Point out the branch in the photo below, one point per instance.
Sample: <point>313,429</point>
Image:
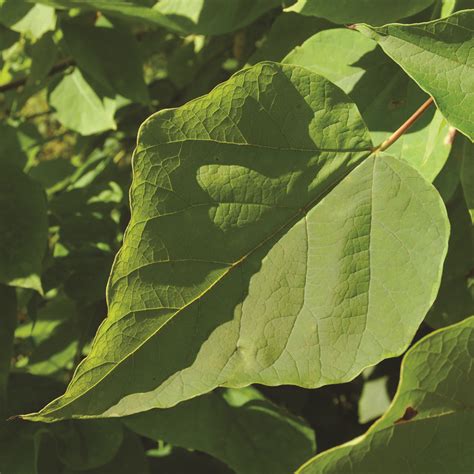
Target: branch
<point>397,134</point>
<point>61,66</point>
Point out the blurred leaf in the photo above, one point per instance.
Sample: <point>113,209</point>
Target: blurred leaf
<point>454,301</point>
<point>384,94</point>
<point>23,229</point>
<point>429,425</point>
<point>467,176</point>
<point>377,12</point>
<point>88,444</point>
<point>8,319</point>
<point>239,427</point>
<point>209,17</point>
<point>288,31</point>
<point>79,108</point>
<point>109,55</point>
<point>7,37</point>
<point>374,399</point>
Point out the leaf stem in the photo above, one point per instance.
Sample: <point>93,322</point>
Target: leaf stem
<point>398,133</point>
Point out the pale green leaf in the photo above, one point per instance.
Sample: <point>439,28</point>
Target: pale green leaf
<point>259,251</point>
<point>438,56</point>
<point>370,11</point>
<point>79,108</point>
<point>374,399</point>
<point>429,426</point>
<point>384,94</point>
<point>239,427</point>
<point>23,228</point>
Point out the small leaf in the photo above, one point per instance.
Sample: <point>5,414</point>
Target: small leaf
<point>239,427</point>
<point>370,11</point>
<point>428,427</point>
<point>438,56</point>
<point>265,245</point>
<point>79,107</point>
<point>23,229</point>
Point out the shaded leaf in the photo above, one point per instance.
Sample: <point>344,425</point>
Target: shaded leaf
<point>239,427</point>
<point>370,11</point>
<point>109,55</point>
<point>438,56</point>
<point>210,17</point>
<point>428,427</point>
<point>23,228</point>
<point>454,301</point>
<point>240,264</point>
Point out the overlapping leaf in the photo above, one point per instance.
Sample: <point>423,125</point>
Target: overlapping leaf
<point>438,56</point>
<point>429,426</point>
<point>239,427</point>
<point>384,94</point>
<point>23,228</point>
<point>266,245</point>
<point>210,17</point>
<point>371,11</point>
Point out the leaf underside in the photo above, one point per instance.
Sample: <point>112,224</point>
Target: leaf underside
<point>266,245</point>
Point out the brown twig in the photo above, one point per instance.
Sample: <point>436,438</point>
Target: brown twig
<point>398,133</point>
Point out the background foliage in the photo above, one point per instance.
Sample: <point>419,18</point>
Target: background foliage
<point>78,78</point>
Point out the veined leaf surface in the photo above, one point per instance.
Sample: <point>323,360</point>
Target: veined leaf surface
<point>438,56</point>
<point>429,426</point>
<point>266,245</point>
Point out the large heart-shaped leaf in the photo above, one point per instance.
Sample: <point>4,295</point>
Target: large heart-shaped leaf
<point>371,11</point>
<point>429,426</point>
<point>239,427</point>
<point>384,94</point>
<point>438,56</point>
<point>266,245</point>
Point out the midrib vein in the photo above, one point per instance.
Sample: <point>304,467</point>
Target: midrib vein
<point>292,221</point>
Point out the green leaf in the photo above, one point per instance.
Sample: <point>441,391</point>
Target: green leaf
<point>374,399</point>
<point>467,175</point>
<point>437,55</point>
<point>8,317</point>
<point>384,94</point>
<point>370,11</point>
<point>23,228</point>
<point>428,427</point>
<point>454,301</point>
<point>33,21</point>
<point>258,250</point>
<point>288,31</point>
<point>208,17</point>
<point>111,56</point>
<point>79,107</point>
<point>239,427</point>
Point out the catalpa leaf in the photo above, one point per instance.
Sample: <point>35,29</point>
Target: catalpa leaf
<point>438,56</point>
<point>23,228</point>
<point>266,244</point>
<point>429,426</point>
<point>371,11</point>
<point>239,427</point>
<point>384,95</point>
